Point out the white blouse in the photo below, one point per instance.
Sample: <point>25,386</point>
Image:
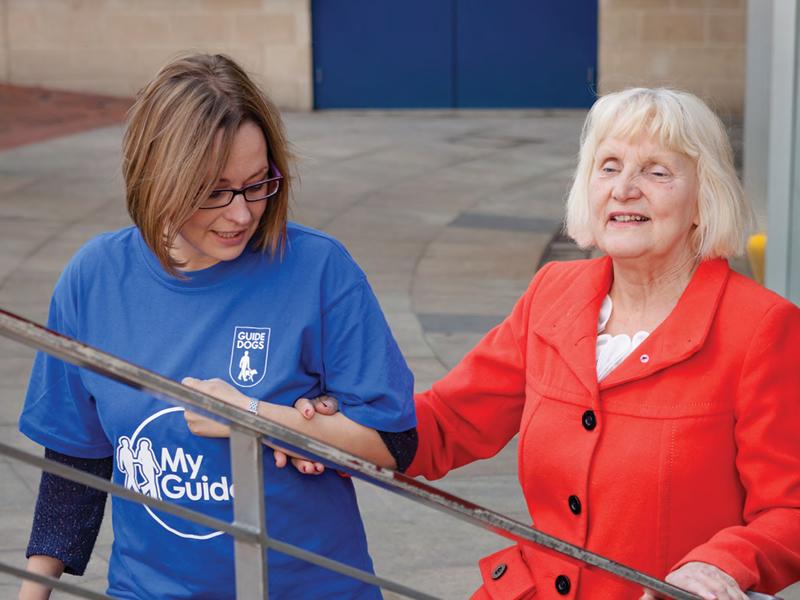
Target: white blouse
<point>613,349</point>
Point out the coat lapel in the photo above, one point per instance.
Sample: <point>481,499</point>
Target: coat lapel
<point>683,332</point>
<point>569,323</point>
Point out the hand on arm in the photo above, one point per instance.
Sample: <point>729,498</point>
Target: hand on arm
<point>205,427</point>
<point>334,429</point>
<point>323,405</point>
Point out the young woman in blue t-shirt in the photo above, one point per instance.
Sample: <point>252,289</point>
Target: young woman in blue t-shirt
<point>212,283</point>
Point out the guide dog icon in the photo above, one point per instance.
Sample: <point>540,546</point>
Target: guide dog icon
<point>249,352</point>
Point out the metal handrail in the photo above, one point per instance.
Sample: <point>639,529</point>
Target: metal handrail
<point>246,429</point>
<point>235,530</point>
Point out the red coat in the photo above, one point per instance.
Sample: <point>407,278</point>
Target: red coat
<point>689,450</point>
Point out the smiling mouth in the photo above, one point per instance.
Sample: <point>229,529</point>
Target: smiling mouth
<point>628,219</point>
<point>229,235</point>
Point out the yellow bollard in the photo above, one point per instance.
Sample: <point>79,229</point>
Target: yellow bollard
<point>756,247</point>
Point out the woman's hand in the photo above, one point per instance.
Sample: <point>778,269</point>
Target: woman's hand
<point>205,427</point>
<point>705,580</point>
<point>324,405</point>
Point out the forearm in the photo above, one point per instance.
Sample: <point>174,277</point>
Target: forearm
<point>67,516</point>
<point>336,430</point>
<point>41,565</point>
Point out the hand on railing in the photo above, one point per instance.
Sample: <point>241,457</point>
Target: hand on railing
<point>703,579</point>
<point>205,427</point>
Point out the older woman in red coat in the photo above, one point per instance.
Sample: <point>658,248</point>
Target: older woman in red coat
<point>655,392</point>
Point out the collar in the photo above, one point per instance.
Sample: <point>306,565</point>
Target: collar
<point>683,333</point>
<point>569,323</point>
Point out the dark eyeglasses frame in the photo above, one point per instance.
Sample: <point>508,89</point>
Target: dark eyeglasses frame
<point>236,191</point>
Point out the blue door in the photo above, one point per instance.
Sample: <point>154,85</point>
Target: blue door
<point>382,53</point>
<point>525,53</point>
<point>454,53</point>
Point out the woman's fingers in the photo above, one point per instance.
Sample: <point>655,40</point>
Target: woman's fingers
<point>305,407</point>
<point>218,388</point>
<point>307,467</point>
<point>326,405</point>
<point>707,581</point>
<point>303,465</point>
<point>200,425</point>
<point>214,387</point>
<point>280,458</point>
<point>205,427</point>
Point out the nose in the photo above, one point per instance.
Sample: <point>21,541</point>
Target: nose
<point>626,187</point>
<point>238,211</point>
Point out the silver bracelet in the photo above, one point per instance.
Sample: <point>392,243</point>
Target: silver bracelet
<point>253,406</point>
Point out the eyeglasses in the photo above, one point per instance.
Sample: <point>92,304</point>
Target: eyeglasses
<point>260,190</point>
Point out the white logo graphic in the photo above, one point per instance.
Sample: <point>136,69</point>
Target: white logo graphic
<point>171,474</point>
<point>140,468</point>
<point>249,353</point>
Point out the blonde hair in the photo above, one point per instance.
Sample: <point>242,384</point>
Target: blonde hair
<point>178,139</point>
<point>681,122</point>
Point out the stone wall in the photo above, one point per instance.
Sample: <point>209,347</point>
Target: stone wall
<point>698,45</point>
<point>115,46</point>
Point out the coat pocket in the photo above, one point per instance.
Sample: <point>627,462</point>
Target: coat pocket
<point>506,576</point>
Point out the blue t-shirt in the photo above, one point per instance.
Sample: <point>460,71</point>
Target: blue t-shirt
<point>277,329</point>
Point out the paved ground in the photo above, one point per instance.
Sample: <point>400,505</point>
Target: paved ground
<point>449,214</point>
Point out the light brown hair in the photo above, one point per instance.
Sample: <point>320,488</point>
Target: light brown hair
<point>178,139</point>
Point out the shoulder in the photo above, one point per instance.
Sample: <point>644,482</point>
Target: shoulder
<point>561,290</point>
<point>105,245</point>
<point>571,279</point>
<point>300,237</point>
<point>745,297</point>
<point>99,253</point>
<point>311,246</point>
<point>560,272</point>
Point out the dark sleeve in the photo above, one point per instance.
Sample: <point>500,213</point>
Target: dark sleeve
<point>68,514</point>
<point>402,445</point>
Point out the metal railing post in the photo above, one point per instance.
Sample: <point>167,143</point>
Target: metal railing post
<point>247,460</point>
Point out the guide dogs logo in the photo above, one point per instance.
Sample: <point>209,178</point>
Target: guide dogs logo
<point>171,473</point>
<point>249,355</point>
